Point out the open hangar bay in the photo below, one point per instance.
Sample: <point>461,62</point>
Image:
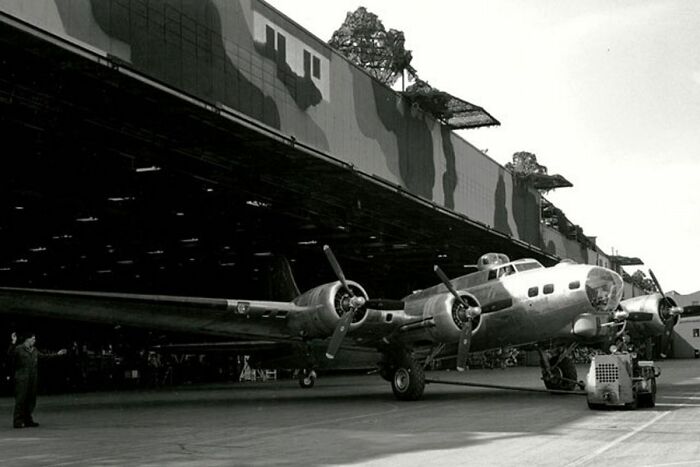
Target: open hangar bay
<point>114,182</point>
<point>110,183</point>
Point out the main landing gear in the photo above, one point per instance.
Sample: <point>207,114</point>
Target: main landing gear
<point>559,370</point>
<point>406,376</point>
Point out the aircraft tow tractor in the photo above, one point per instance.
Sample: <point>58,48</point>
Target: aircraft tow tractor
<point>621,380</point>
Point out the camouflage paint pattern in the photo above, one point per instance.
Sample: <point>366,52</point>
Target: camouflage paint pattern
<point>556,243</point>
<point>246,56</point>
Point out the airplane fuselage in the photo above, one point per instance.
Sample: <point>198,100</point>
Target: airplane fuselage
<point>531,305</point>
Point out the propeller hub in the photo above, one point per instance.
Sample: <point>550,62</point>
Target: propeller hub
<point>621,315</point>
<point>357,301</point>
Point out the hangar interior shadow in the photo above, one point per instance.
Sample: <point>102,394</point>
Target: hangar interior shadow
<point>110,183</point>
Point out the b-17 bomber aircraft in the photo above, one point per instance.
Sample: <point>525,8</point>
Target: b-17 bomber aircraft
<point>503,303</point>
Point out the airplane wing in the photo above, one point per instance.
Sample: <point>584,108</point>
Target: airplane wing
<point>316,313</point>
<point>222,347</point>
<point>207,316</point>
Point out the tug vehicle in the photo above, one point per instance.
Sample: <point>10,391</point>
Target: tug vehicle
<point>621,380</point>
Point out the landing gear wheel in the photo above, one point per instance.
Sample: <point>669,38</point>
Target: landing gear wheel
<point>408,382</point>
<point>648,399</point>
<point>563,377</point>
<point>307,379</point>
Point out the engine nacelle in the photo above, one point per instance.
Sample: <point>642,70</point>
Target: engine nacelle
<point>329,303</point>
<point>655,305</point>
<point>447,314</point>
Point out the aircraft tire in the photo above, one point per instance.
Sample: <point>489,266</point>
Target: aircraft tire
<point>648,399</point>
<point>564,375</point>
<point>307,379</point>
<point>408,382</point>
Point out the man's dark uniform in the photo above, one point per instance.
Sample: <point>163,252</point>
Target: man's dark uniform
<point>25,361</point>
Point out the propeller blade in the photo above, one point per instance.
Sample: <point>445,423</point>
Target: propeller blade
<point>339,334</point>
<point>691,310</point>
<point>384,304</point>
<point>465,341</point>
<point>445,280</point>
<point>666,337</point>
<point>658,287</point>
<point>336,268</point>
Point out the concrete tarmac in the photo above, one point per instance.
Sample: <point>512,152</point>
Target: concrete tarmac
<point>355,420</point>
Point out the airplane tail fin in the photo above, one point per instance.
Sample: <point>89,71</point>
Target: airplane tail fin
<point>281,284</point>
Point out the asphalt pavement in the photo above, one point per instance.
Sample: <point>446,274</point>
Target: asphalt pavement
<point>355,420</point>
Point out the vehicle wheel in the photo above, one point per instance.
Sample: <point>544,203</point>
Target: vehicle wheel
<point>634,404</point>
<point>307,379</point>
<point>563,377</point>
<point>648,399</point>
<point>408,382</point>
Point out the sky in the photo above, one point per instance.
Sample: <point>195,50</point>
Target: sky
<point>604,92</point>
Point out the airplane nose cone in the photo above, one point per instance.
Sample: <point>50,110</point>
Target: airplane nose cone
<point>603,288</point>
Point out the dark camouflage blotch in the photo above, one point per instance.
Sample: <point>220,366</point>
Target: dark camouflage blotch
<point>526,212</point>
<point>181,43</point>
<point>415,143</point>
<point>449,178</point>
<point>301,88</point>
<point>500,213</point>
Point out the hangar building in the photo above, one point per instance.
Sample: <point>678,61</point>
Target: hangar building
<point>172,147</point>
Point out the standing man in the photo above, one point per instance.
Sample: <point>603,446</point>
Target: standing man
<point>25,358</point>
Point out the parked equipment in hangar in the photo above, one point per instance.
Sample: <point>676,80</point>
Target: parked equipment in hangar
<point>620,380</point>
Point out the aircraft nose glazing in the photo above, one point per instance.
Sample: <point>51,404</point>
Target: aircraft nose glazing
<point>603,288</point>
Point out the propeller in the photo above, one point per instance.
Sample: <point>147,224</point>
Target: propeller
<point>465,335</point>
<point>673,311</point>
<point>691,310</point>
<point>353,303</point>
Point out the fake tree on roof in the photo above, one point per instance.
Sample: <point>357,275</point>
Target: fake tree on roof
<point>525,163</point>
<point>363,39</point>
<point>641,280</point>
<point>526,167</point>
<point>430,99</point>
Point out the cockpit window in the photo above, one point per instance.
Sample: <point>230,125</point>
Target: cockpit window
<point>528,265</point>
<point>506,271</point>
